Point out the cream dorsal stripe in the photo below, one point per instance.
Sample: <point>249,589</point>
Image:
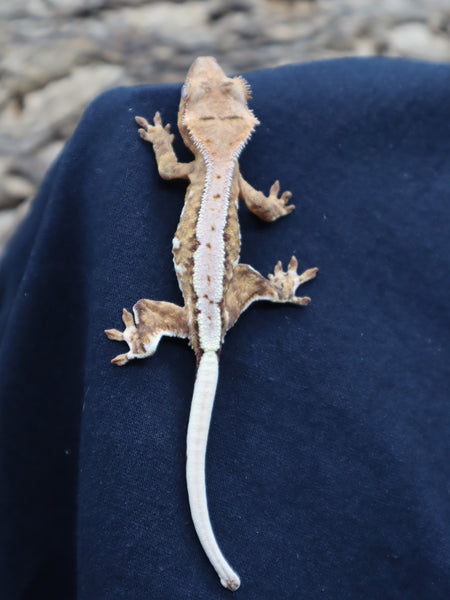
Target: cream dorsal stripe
<point>209,258</point>
<point>215,122</point>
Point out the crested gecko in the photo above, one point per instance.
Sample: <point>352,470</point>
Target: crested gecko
<point>215,123</point>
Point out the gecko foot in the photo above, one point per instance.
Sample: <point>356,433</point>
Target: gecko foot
<point>129,335</point>
<point>279,205</point>
<point>156,132</point>
<point>287,282</point>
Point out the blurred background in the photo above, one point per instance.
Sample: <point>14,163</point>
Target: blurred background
<point>57,55</point>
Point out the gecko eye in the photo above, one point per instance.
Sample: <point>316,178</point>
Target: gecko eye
<point>197,93</point>
<point>184,91</point>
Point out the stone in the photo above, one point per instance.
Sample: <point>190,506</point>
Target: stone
<point>14,189</point>
<point>46,110</point>
<point>415,40</point>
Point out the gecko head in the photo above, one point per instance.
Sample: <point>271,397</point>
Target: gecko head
<point>214,115</point>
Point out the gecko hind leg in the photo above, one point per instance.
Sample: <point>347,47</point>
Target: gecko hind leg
<point>152,320</point>
<point>248,286</point>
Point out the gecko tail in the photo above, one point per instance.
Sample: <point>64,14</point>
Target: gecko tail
<point>197,439</point>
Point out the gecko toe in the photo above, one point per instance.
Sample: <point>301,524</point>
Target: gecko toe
<point>114,334</point>
<point>120,360</point>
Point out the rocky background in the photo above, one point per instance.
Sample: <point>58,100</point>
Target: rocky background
<point>57,55</point>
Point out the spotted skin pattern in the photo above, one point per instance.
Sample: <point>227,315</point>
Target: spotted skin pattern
<point>215,124</point>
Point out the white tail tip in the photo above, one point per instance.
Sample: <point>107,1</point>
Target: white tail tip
<point>231,584</point>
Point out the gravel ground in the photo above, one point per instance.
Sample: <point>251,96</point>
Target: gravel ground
<point>57,55</point>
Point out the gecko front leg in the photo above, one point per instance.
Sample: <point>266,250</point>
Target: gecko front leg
<point>267,208</point>
<point>152,320</point>
<point>248,286</point>
<point>162,139</point>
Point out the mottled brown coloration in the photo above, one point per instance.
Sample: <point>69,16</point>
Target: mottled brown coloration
<point>153,320</point>
<point>215,123</point>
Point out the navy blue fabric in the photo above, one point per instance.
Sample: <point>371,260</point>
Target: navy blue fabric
<point>328,459</point>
